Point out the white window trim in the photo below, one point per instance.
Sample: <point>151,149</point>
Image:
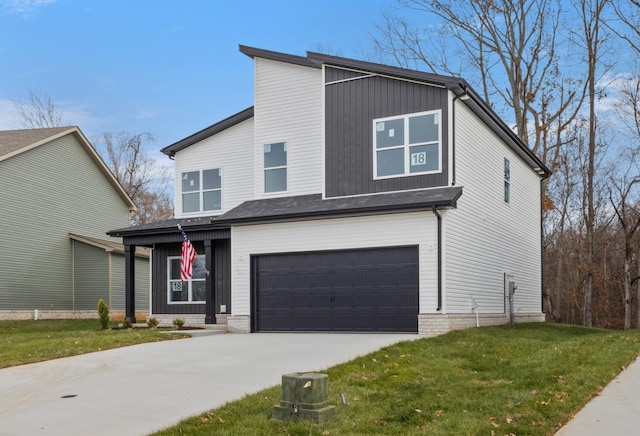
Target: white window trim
<point>265,169</point>
<point>188,282</point>
<point>201,192</point>
<point>406,146</point>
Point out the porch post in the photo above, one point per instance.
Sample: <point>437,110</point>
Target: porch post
<point>210,284</point>
<point>130,282</point>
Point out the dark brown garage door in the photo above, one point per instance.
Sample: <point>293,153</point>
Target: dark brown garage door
<point>368,290</point>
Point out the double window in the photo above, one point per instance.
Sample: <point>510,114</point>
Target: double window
<point>190,291</point>
<point>202,191</point>
<point>407,145</point>
<point>275,167</point>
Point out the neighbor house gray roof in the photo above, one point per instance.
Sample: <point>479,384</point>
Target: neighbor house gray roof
<point>108,246</point>
<point>13,142</point>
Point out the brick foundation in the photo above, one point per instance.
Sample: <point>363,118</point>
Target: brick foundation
<point>434,325</point>
<point>239,324</point>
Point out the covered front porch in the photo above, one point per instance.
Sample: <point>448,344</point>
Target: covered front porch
<point>207,296</point>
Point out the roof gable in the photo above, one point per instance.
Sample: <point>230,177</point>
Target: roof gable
<point>16,142</point>
<point>228,122</point>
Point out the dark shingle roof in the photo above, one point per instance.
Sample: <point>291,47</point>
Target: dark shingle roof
<point>314,207</point>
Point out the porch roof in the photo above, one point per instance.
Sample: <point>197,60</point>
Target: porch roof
<point>313,206</point>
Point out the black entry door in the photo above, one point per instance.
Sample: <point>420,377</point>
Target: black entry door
<point>369,290</point>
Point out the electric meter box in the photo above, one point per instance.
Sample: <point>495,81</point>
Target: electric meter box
<point>305,396</point>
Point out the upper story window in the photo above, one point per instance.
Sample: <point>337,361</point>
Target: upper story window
<point>507,181</point>
<point>407,145</point>
<point>190,291</point>
<point>275,167</point>
<point>202,191</point>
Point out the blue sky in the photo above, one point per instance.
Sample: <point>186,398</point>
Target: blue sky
<point>166,67</point>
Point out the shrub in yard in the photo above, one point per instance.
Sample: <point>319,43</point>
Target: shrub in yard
<point>126,323</point>
<point>103,313</point>
<point>152,323</point>
<point>178,323</point>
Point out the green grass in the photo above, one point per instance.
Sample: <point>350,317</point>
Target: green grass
<point>34,341</point>
<point>527,379</point>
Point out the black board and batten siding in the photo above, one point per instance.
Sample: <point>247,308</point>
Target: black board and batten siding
<point>221,276</point>
<point>350,108</point>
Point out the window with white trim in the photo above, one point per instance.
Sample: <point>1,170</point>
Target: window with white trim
<point>507,181</point>
<point>202,191</point>
<point>275,167</point>
<point>190,291</point>
<point>407,145</point>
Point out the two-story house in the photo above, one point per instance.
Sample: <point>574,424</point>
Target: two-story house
<point>351,196</point>
<point>57,200</point>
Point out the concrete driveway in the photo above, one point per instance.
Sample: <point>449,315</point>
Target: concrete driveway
<point>139,389</point>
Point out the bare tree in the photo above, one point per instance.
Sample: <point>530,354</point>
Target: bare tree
<point>628,12</point>
<point>511,44</point>
<point>136,172</point>
<point>38,111</point>
<point>590,13</point>
<point>146,183</point>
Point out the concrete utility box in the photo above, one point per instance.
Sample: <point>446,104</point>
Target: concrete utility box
<point>304,397</point>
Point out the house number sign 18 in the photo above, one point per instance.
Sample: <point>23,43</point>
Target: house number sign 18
<point>418,158</point>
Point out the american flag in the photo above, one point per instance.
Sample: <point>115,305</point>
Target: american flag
<point>186,261</point>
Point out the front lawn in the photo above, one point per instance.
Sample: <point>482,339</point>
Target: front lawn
<point>34,341</point>
<point>526,379</point>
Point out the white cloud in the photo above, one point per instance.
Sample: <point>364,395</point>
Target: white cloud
<point>8,120</point>
<point>24,8</point>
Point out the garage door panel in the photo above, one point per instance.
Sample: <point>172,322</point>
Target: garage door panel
<point>353,290</point>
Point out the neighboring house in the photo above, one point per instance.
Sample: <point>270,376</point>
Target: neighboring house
<point>351,197</point>
<point>58,198</point>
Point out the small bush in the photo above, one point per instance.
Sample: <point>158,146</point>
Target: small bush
<point>178,323</point>
<point>126,323</point>
<point>152,323</point>
<point>103,313</point>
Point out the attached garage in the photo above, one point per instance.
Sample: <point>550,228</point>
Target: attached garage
<point>367,290</point>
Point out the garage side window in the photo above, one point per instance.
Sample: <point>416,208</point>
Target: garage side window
<point>190,291</point>
<point>275,167</point>
<point>407,145</point>
<point>507,181</point>
<point>202,191</point>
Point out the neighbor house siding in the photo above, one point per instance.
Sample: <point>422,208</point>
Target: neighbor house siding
<point>485,237</point>
<point>230,150</point>
<point>117,295</point>
<point>288,108</point>
<point>48,192</point>
<point>351,106</point>
<point>418,228</point>
<point>91,276</point>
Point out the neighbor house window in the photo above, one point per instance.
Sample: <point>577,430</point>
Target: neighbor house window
<point>407,145</point>
<point>202,191</point>
<point>190,291</point>
<point>275,167</point>
<point>507,181</point>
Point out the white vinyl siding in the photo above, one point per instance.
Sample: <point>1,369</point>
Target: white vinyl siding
<point>232,152</point>
<point>486,237</point>
<point>418,228</point>
<point>288,108</point>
